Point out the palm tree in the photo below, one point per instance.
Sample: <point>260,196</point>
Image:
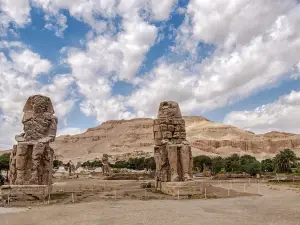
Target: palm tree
<point>285,160</point>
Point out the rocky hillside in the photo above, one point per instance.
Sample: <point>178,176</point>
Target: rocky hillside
<point>127,138</point>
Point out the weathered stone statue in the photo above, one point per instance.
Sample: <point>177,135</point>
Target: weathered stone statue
<point>71,168</point>
<point>31,159</point>
<point>106,168</point>
<point>172,152</point>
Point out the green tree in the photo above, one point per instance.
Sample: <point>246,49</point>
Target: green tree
<point>232,163</point>
<point>150,163</point>
<point>250,165</point>
<point>4,163</point>
<point>285,160</point>
<point>252,168</point>
<point>57,163</point>
<point>96,163</point>
<point>267,165</point>
<point>87,164</point>
<point>136,163</point>
<point>218,163</point>
<point>201,161</point>
<point>120,164</point>
<point>246,159</point>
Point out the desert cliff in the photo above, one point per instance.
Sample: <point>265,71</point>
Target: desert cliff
<point>126,138</point>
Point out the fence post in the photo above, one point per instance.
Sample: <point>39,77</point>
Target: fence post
<point>178,194</point>
<point>228,192</point>
<point>72,197</point>
<point>49,198</point>
<point>205,193</point>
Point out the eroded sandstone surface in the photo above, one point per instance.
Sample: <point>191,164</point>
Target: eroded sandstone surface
<point>134,138</point>
<point>31,159</point>
<point>172,152</point>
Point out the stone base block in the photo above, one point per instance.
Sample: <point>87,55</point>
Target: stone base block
<point>25,192</point>
<point>181,188</point>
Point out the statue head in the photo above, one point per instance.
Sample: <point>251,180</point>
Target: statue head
<point>169,109</point>
<point>38,104</point>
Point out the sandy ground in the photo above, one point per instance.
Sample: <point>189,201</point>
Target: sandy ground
<point>278,205</point>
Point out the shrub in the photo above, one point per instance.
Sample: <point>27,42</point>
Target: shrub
<point>267,165</point>
<point>1,180</point>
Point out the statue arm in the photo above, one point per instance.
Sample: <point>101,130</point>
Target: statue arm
<point>52,132</point>
<point>53,127</point>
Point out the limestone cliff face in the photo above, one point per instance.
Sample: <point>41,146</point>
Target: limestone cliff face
<point>251,146</point>
<point>127,138</point>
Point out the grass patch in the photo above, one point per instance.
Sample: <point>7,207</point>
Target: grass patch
<point>58,196</point>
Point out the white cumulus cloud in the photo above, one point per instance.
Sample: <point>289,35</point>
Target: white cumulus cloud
<point>281,115</point>
<point>13,12</point>
<point>256,44</point>
<point>19,80</point>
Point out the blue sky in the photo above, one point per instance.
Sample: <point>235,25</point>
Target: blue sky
<point>234,62</point>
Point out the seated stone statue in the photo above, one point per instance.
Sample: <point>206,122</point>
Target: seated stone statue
<point>32,157</point>
<point>106,169</point>
<point>172,152</point>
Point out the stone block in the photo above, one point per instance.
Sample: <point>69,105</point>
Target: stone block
<point>177,141</point>
<point>171,128</point>
<point>167,135</point>
<point>176,135</point>
<point>157,141</point>
<point>156,128</point>
<point>157,135</point>
<point>177,128</point>
<point>181,188</point>
<point>163,127</point>
<point>162,121</point>
<point>25,192</point>
<point>170,121</point>
<point>183,135</point>
<point>156,121</point>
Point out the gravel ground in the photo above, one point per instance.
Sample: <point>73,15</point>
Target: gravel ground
<point>11,210</point>
<point>279,205</point>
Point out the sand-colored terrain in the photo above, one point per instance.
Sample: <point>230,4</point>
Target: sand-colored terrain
<point>122,139</point>
<point>278,205</point>
<point>130,138</point>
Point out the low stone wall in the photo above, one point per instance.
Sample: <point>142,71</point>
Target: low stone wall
<point>25,192</point>
<point>129,176</point>
<point>182,188</point>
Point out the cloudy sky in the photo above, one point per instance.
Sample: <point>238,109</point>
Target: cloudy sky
<point>232,61</point>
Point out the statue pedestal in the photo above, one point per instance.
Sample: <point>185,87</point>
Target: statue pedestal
<point>181,188</point>
<point>25,192</point>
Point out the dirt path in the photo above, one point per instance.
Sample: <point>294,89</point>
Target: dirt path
<point>246,211</point>
<point>278,205</point>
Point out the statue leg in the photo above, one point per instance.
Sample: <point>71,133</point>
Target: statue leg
<point>21,164</point>
<point>173,162</point>
<point>185,156</point>
<point>48,164</point>
<point>37,167</point>
<point>157,158</point>
<point>12,167</point>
